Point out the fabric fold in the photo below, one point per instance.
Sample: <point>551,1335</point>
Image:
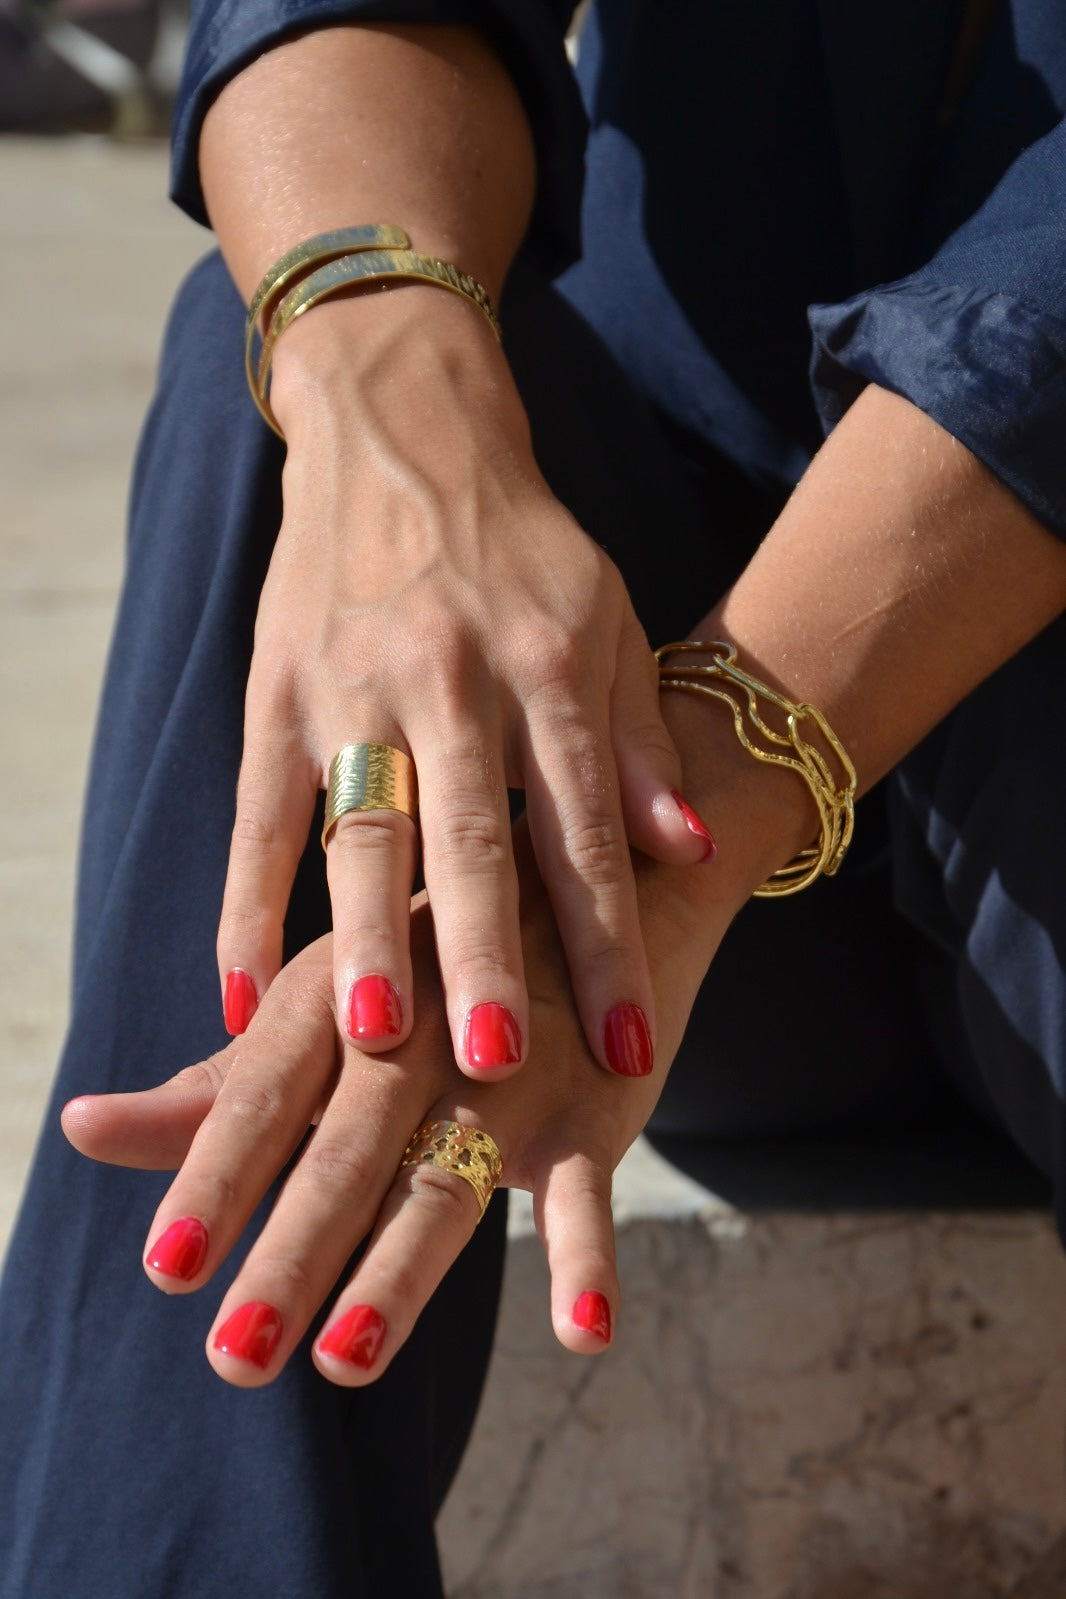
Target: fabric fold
<point>989,368</point>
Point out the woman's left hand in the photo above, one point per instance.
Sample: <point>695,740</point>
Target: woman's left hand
<point>234,1121</point>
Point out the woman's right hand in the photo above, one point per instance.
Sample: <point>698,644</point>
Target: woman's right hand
<point>428,592</point>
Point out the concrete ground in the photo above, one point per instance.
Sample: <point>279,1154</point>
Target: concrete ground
<point>92,252</point>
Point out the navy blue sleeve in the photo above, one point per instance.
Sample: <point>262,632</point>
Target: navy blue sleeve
<point>977,337</point>
<point>528,35</point>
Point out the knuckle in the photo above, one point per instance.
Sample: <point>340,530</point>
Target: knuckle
<point>471,837</point>
<point>449,1201</point>
<point>333,1167</point>
<point>446,657</point>
<point>259,1106</point>
<point>286,1272</point>
<point>205,1074</point>
<point>651,737</point>
<point>476,961</point>
<point>594,849</point>
<point>247,925</point>
<point>370,833</point>
<point>607,953</point>
<point>247,931</point>
<point>273,690</point>
<point>255,827</point>
<point>555,661</point>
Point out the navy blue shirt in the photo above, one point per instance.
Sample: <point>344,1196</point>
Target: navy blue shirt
<point>762,205</point>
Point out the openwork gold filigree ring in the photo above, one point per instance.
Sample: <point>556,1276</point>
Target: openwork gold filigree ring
<point>466,1152</point>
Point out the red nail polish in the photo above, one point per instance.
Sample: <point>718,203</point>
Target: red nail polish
<point>592,1314</point>
<point>374,1009</point>
<point>251,1333</point>
<point>697,825</point>
<point>627,1041</point>
<point>492,1037</point>
<point>241,1001</point>
<point>181,1250</point>
<point>357,1337</point>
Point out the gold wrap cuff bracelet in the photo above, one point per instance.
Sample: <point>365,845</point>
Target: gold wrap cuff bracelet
<point>340,260</point>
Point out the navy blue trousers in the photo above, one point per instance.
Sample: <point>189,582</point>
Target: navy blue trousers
<point>128,1469</point>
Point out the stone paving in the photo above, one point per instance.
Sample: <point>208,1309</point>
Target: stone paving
<point>92,252</point>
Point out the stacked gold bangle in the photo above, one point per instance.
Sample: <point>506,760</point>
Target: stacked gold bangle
<point>720,678</point>
<point>327,264</point>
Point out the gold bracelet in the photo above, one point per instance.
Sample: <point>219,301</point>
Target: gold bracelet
<point>369,266</point>
<point>722,679</point>
<point>312,253</point>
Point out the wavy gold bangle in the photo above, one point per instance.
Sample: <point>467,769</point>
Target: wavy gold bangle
<point>368,266</point>
<point>305,256</point>
<point>722,679</point>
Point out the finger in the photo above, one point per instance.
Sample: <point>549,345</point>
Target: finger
<point>658,819</point>
<point>370,863</point>
<point>573,1215</point>
<point>150,1130</point>
<point>427,1219</point>
<point>276,794</point>
<point>473,889</point>
<point>328,1204</point>
<point>277,1079</point>
<point>578,835</point>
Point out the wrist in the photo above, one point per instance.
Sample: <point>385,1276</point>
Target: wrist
<point>407,347</point>
<point>760,815</point>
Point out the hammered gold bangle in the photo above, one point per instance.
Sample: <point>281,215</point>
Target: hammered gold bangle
<point>303,258</point>
<point>721,678</point>
<point>367,266</point>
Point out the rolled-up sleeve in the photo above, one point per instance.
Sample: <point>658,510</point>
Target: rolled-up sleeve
<point>977,337</point>
<point>528,35</point>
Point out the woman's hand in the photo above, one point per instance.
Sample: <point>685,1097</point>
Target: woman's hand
<point>426,590</point>
<point>234,1121</point>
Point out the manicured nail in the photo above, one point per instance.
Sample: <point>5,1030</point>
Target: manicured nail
<point>356,1337</point>
<point>374,1009</point>
<point>492,1037</point>
<point>627,1041</point>
<point>241,1001</point>
<point>592,1314</point>
<point>181,1250</point>
<point>250,1334</point>
<point>697,825</point>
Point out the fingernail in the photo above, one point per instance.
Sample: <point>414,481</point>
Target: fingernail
<point>627,1041</point>
<point>697,825</point>
<point>357,1337</point>
<point>492,1037</point>
<point>374,1009</point>
<point>250,1334</point>
<point>241,1001</point>
<point>181,1250</point>
<point>592,1314</point>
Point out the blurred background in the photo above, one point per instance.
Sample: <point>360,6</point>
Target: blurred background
<point>92,251</point>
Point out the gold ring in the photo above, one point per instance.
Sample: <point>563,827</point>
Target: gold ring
<point>467,1152</point>
<point>369,777</point>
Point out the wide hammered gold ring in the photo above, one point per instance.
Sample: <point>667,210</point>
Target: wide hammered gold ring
<point>369,777</point>
<point>466,1152</point>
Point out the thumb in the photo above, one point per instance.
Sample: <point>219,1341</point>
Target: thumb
<point>150,1130</point>
<point>658,818</point>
